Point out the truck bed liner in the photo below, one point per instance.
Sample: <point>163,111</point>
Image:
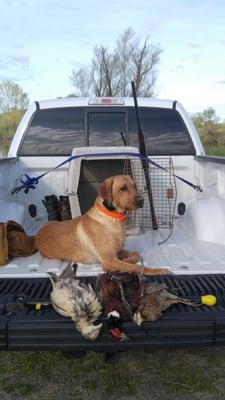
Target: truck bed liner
<point>183,253</point>
<point>24,328</point>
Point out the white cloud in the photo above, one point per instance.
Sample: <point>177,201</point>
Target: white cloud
<point>194,95</point>
<point>193,57</point>
<point>220,80</point>
<point>195,45</point>
<point>178,67</point>
<point>18,59</point>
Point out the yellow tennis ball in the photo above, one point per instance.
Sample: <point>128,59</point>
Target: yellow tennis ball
<point>209,300</point>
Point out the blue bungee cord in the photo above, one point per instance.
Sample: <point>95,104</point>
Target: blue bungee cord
<point>28,182</point>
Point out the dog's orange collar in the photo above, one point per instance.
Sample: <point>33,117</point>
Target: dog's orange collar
<point>112,214</point>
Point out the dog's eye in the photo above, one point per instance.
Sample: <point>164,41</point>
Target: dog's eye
<point>124,188</point>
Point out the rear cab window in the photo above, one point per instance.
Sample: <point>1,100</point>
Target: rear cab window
<point>54,132</point>
<point>58,131</point>
<point>105,128</point>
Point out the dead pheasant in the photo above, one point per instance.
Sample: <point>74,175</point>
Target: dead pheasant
<point>72,298</point>
<point>120,295</point>
<point>156,299</point>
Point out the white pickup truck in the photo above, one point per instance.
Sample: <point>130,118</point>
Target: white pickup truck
<point>101,135</point>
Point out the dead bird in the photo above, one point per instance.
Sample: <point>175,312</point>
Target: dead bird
<point>120,295</point>
<point>72,298</point>
<point>115,326</point>
<point>156,299</point>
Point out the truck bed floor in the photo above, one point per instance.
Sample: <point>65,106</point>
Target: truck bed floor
<point>183,253</point>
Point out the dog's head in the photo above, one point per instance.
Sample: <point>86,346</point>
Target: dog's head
<point>121,192</point>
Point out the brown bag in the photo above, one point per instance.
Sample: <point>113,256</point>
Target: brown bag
<point>14,242</point>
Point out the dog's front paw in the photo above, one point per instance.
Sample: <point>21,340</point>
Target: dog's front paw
<point>133,257</point>
<point>165,271</point>
<point>157,271</point>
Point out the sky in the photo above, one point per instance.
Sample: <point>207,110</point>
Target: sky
<point>42,41</point>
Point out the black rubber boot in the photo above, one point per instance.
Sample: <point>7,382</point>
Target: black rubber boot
<point>51,204</point>
<point>64,206</point>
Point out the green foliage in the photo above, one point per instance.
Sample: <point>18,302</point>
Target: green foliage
<point>13,102</point>
<point>218,151</point>
<point>8,124</point>
<point>12,97</point>
<point>211,130</point>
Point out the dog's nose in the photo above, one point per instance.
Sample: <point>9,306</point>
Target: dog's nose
<point>140,202</point>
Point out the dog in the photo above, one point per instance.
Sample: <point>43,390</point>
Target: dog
<point>98,235</point>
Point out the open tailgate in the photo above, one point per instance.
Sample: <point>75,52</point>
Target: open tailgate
<point>23,327</point>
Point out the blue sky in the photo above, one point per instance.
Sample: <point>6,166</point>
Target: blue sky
<point>41,41</point>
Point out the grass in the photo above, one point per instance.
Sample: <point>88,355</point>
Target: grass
<point>196,374</point>
<point>215,150</point>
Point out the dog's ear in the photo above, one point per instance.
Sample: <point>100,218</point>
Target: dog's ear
<point>105,190</point>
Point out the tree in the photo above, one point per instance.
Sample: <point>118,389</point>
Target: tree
<point>211,130</point>
<point>110,72</point>
<point>81,79</point>
<point>8,125</point>
<point>12,97</point>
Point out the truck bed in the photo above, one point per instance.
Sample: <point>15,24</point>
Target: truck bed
<point>183,253</point>
<point>24,328</point>
<point>194,251</point>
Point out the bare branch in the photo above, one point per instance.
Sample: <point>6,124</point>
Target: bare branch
<point>111,72</point>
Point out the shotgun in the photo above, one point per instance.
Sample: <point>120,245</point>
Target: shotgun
<point>144,160</point>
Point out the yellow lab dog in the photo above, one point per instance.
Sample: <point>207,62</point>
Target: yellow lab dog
<point>98,235</point>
